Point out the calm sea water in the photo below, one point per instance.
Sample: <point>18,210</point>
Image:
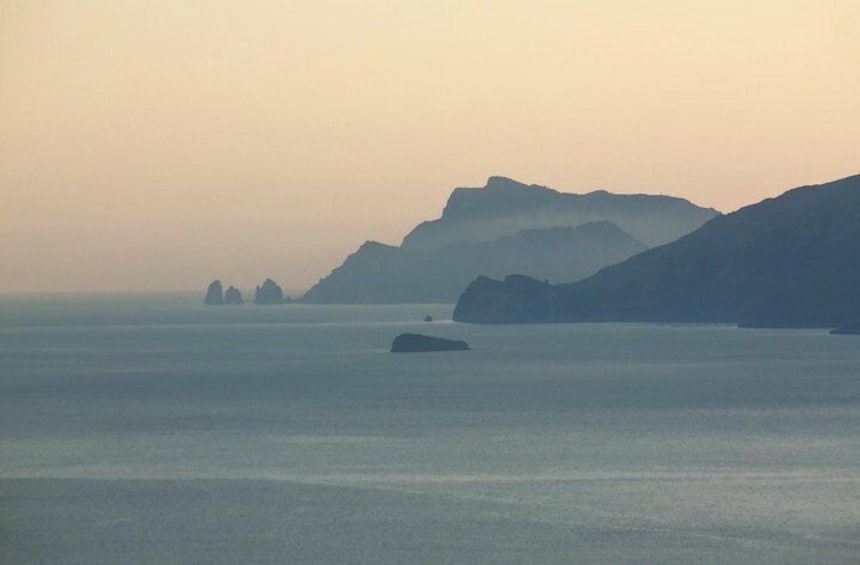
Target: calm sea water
<point>151,429</point>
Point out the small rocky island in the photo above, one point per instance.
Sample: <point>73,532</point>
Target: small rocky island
<point>269,293</point>
<point>233,296</point>
<point>416,343</point>
<point>214,294</point>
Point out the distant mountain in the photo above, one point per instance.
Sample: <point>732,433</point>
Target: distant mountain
<point>505,206</point>
<point>378,273</point>
<point>791,261</point>
<point>507,227</point>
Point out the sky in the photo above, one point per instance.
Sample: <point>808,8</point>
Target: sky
<point>160,144</point>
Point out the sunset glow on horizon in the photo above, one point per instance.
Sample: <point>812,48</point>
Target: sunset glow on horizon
<point>159,145</point>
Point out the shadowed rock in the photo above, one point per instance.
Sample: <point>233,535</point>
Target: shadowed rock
<point>214,294</point>
<point>415,343</point>
<point>233,296</point>
<point>269,293</point>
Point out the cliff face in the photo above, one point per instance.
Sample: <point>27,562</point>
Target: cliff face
<point>789,261</point>
<point>507,227</point>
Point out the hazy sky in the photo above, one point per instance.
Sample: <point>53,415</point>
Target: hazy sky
<point>162,143</point>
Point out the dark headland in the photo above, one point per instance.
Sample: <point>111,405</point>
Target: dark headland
<point>416,343</point>
<point>790,261</point>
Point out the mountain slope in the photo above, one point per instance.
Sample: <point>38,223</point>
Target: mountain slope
<point>789,261</point>
<point>379,273</point>
<point>507,227</point>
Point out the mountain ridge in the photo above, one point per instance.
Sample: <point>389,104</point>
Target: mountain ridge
<point>504,227</point>
<point>652,219</point>
<point>792,260</point>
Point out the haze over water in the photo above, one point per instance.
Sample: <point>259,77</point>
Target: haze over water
<point>149,146</point>
<point>150,429</point>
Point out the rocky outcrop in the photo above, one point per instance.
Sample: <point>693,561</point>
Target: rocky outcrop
<point>214,294</point>
<point>515,300</point>
<point>416,343</point>
<point>791,261</point>
<point>269,293</point>
<point>233,296</point>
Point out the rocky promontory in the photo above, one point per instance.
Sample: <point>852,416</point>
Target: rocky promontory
<point>790,261</point>
<point>416,343</point>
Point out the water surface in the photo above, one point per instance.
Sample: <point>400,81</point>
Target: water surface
<point>152,429</point>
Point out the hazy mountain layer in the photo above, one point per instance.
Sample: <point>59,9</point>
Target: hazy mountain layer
<point>378,273</point>
<point>504,206</point>
<point>788,261</point>
<point>508,227</point>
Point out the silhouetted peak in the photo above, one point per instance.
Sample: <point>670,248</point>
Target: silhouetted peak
<point>523,282</point>
<point>233,296</point>
<point>269,293</point>
<point>214,294</point>
<point>371,245</point>
<point>501,183</point>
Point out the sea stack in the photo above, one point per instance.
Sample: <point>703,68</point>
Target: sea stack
<point>233,296</point>
<point>269,293</point>
<point>214,294</point>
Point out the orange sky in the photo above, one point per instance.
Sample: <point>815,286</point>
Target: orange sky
<point>156,145</point>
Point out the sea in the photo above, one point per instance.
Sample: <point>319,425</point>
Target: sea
<point>150,429</point>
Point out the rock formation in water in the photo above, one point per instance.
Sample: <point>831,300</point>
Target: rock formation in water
<point>269,293</point>
<point>214,294</point>
<point>233,296</point>
<point>508,227</point>
<point>791,261</point>
<point>416,343</point>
